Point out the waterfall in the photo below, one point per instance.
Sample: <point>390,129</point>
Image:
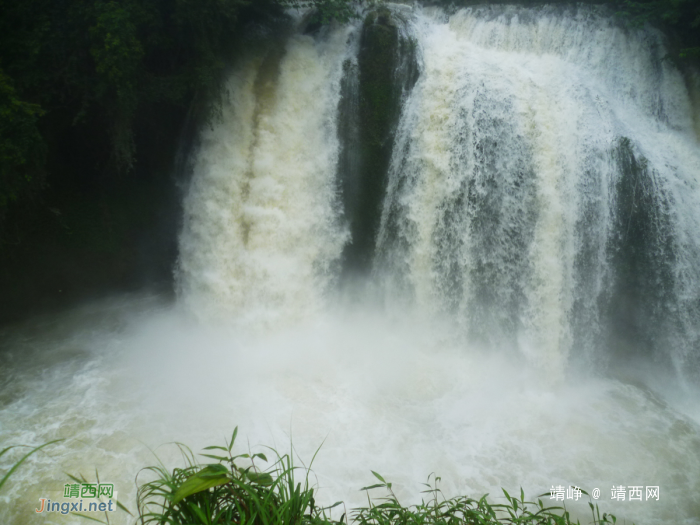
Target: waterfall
<point>460,241</point>
<point>261,229</point>
<point>544,186</point>
<point>531,174</point>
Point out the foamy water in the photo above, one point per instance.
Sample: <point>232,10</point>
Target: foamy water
<point>395,396</point>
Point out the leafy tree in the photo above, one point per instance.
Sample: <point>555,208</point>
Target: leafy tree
<point>21,145</point>
<point>681,18</point>
<point>92,78</point>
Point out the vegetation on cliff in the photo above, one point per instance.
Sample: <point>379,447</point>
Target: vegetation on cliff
<point>99,64</point>
<point>93,97</point>
<point>680,19</point>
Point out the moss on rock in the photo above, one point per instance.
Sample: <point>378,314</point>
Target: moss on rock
<point>387,69</point>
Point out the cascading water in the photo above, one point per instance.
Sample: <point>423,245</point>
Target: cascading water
<point>537,223</point>
<point>261,229</point>
<point>544,186</point>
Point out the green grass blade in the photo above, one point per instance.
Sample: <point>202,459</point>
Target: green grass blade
<point>16,465</point>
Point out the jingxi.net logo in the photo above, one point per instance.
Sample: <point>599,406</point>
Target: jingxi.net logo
<point>82,497</point>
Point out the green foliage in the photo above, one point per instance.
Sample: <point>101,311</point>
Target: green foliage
<point>21,146</point>
<point>118,55</point>
<point>225,493</point>
<point>680,18</point>
<point>85,83</point>
<point>668,11</point>
<point>101,63</point>
<point>81,479</point>
<point>438,510</point>
<point>327,11</point>
<point>334,10</point>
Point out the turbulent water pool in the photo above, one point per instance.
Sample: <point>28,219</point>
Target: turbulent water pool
<point>525,311</point>
<point>123,378</point>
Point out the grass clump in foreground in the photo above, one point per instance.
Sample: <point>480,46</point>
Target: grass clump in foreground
<point>226,493</point>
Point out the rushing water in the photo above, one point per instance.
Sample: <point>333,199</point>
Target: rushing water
<point>530,316</point>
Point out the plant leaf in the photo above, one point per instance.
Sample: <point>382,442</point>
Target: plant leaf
<point>261,478</point>
<point>233,438</point>
<point>374,486</point>
<point>210,476</point>
<point>74,478</point>
<point>378,476</point>
<point>218,458</point>
<point>121,506</point>
<point>214,470</point>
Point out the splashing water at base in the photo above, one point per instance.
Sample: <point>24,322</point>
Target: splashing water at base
<point>395,396</point>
